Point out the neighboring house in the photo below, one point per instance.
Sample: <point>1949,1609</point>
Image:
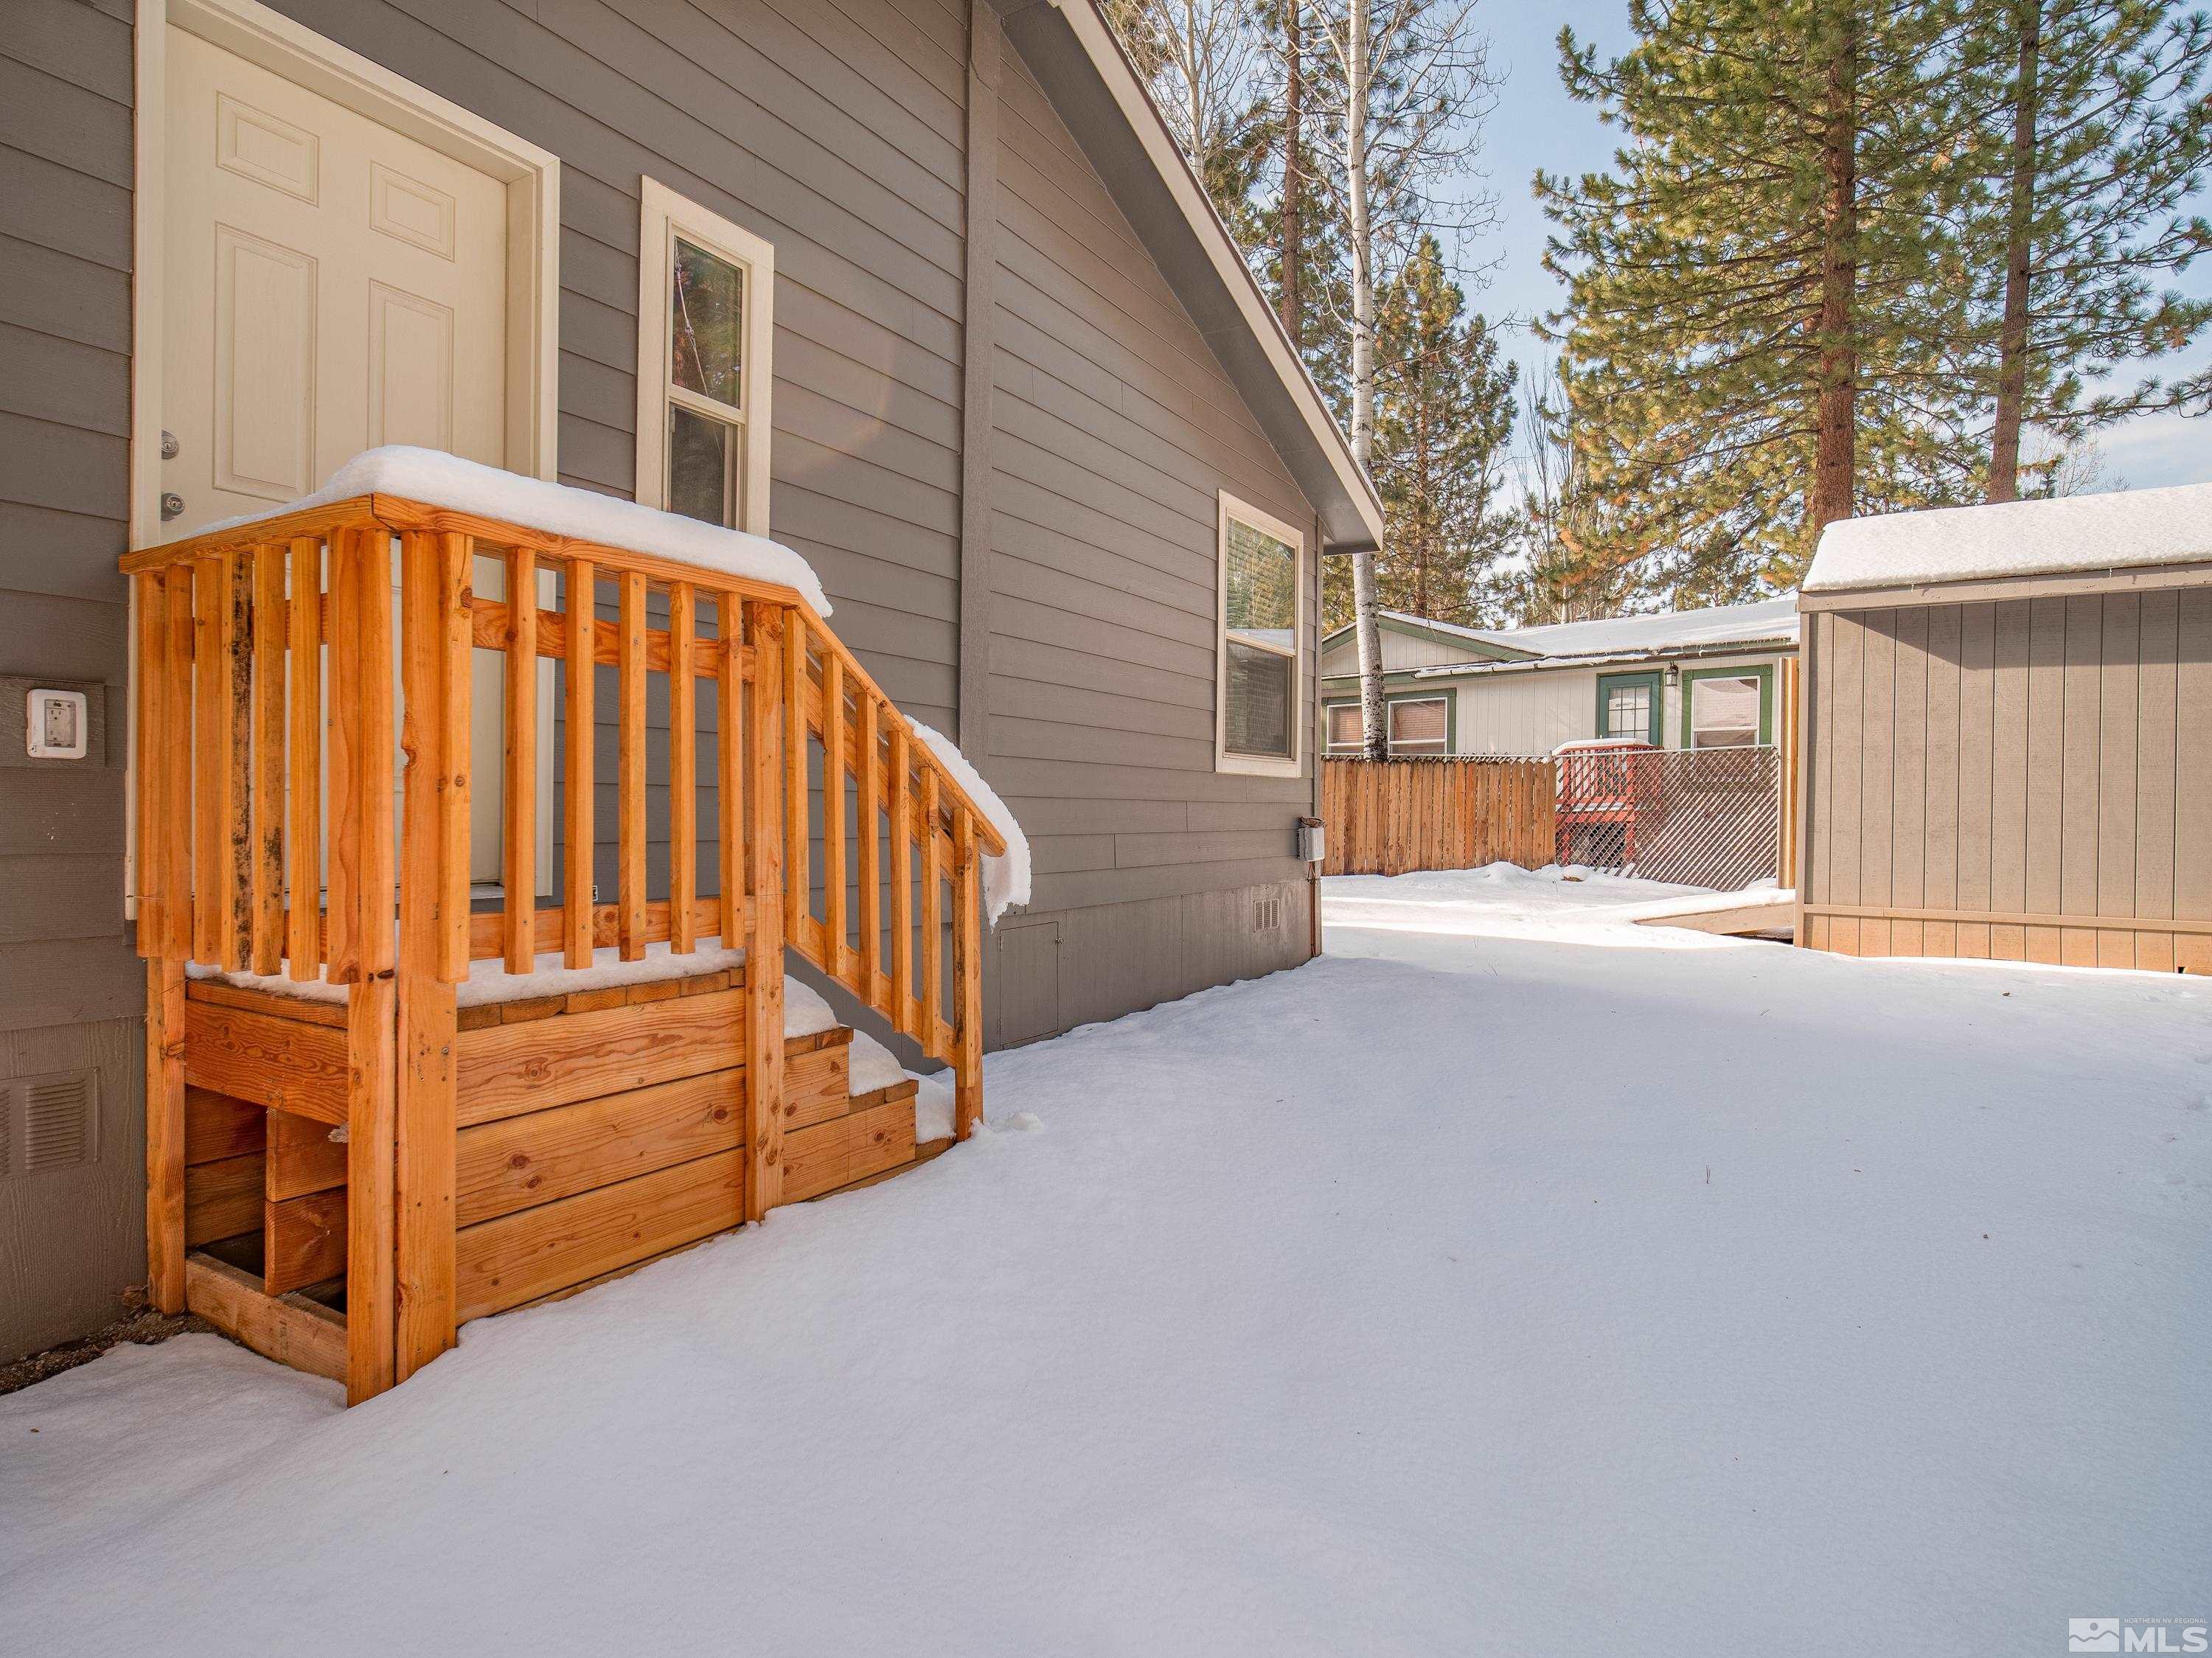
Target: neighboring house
<point>959,326</point>
<point>1686,679</point>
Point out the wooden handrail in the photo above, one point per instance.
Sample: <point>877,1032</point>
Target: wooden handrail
<point>265,655</point>
<point>266,687</point>
<point>397,515</point>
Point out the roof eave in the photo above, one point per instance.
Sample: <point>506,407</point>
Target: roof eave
<point>1417,629</point>
<point>1609,658</point>
<point>1075,58</point>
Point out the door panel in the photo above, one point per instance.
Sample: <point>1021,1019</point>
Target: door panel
<point>331,285</point>
<point>265,367</point>
<point>411,369</point>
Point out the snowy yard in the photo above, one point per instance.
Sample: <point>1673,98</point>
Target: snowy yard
<point>1512,1280</point>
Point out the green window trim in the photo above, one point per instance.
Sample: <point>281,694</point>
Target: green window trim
<point>1649,677</point>
<point>1391,699</point>
<point>1762,672</point>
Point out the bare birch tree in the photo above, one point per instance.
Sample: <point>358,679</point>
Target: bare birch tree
<point>1206,61</point>
<point>1414,81</point>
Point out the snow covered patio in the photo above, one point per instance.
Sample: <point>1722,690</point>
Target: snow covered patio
<point>1514,1278</point>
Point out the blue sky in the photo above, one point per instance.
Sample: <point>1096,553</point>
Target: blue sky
<point>1537,125</point>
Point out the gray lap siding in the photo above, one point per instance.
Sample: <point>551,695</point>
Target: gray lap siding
<point>839,133</point>
<point>1113,428</point>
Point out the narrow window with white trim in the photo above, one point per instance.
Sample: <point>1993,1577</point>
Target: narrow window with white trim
<point>706,313</point>
<point>1259,712</point>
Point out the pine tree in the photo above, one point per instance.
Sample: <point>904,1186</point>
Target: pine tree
<point>1443,427</point>
<point>2098,133</point>
<point>1576,561</point>
<point>1763,287</point>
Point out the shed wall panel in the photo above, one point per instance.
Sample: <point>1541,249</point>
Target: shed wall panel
<point>2021,778</point>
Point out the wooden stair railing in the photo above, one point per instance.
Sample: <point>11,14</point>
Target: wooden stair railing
<point>264,687</point>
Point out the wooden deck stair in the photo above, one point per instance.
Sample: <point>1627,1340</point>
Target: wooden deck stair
<point>600,1130</point>
<point>495,1159</point>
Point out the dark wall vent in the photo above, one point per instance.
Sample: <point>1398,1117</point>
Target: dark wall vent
<point>49,1122</point>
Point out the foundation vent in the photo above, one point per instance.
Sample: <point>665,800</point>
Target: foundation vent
<point>48,1122</point>
<point>1267,913</point>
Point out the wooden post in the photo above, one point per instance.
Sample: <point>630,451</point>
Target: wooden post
<point>834,947</point>
<point>682,772</point>
<point>871,860</point>
<point>933,918</point>
<point>303,800</point>
<point>629,770</point>
<point>268,713</point>
<point>237,788</point>
<point>371,1125</point>
<point>764,914</point>
<point>175,761</point>
<point>150,725</point>
<point>212,870</point>
<point>165,1133</point>
<point>519,809</point>
<point>798,882</point>
<point>433,592</point>
<point>342,931</point>
<point>968,966</point>
<point>375,755</point>
<point>729,772</point>
<point>455,648</point>
<point>577,806</point>
<point>1786,760</point>
<point>901,815</point>
<point>372,1035</point>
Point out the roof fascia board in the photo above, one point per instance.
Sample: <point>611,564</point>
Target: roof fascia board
<point>2058,584</point>
<point>1744,648</point>
<point>1391,624</point>
<point>1075,58</point>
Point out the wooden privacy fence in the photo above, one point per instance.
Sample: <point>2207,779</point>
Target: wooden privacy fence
<point>1392,817</point>
<point>268,840</point>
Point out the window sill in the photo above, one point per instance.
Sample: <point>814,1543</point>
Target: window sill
<point>1253,765</point>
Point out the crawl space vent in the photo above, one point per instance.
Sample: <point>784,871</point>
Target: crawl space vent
<point>1267,913</point>
<point>47,1122</point>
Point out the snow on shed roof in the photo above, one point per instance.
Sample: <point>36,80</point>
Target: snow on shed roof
<point>1672,630</point>
<point>2123,530</point>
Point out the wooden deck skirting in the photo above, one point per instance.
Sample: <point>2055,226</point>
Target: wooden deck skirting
<point>503,1153</point>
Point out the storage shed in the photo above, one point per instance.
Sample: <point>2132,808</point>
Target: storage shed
<point>2008,733</point>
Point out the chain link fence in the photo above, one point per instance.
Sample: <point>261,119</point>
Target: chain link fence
<point>1707,818</point>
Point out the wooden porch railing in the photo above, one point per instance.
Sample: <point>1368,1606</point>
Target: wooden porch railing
<point>267,841</point>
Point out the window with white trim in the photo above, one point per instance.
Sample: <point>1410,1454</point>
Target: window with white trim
<point>1724,711</point>
<point>706,317</point>
<point>1259,710</point>
<point>1421,725</point>
<point>1418,725</point>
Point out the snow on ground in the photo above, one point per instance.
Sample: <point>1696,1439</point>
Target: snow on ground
<point>1515,1279</point>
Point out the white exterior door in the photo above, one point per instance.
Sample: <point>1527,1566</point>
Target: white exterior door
<point>331,286</point>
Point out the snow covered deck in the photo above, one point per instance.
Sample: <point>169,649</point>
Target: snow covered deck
<point>1510,1279</point>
